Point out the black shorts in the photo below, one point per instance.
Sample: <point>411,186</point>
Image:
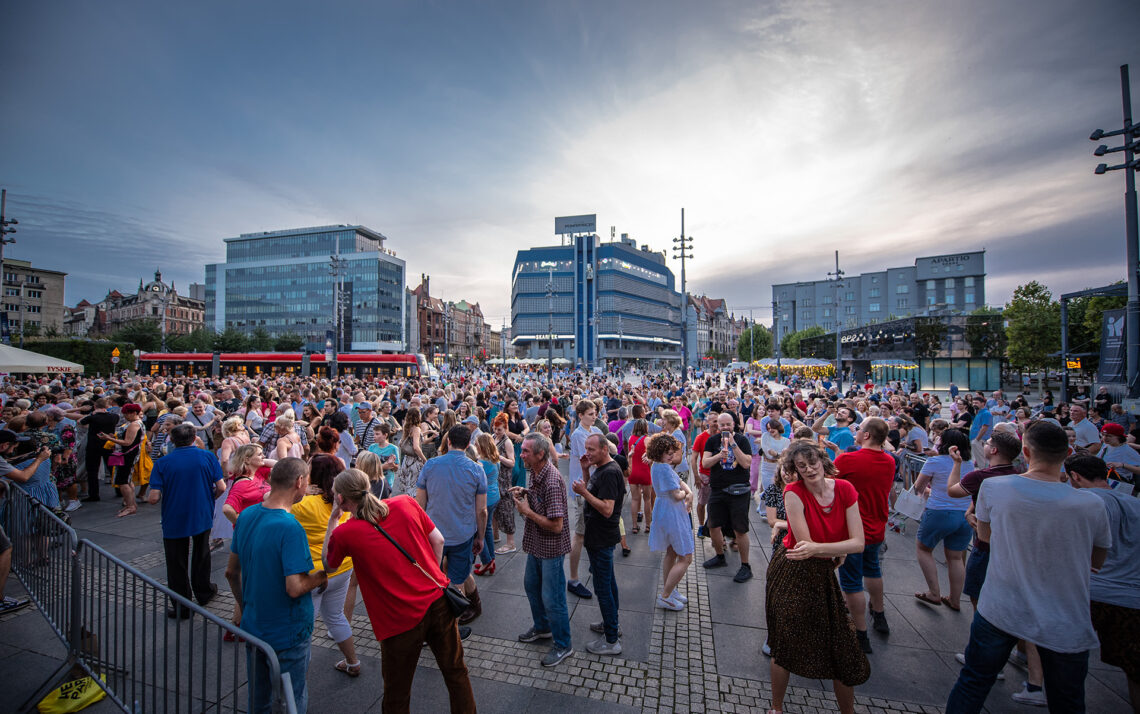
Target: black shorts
<point>731,511</point>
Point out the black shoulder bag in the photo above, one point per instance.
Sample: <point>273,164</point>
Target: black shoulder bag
<point>457,602</point>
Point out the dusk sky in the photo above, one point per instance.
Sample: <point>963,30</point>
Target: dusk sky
<point>140,134</point>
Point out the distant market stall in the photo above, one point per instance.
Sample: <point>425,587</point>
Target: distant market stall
<point>14,360</point>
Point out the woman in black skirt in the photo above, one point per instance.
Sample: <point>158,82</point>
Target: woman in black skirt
<point>810,631</point>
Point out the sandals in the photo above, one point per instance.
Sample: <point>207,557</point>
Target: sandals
<point>126,512</point>
<point>505,550</point>
<point>352,670</point>
<point>929,599</point>
<point>636,528</point>
<point>950,604</point>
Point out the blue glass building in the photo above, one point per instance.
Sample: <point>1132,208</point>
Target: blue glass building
<point>606,303</point>
<point>282,281</point>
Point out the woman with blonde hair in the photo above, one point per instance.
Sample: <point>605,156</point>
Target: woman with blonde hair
<point>288,442</point>
<point>233,436</point>
<point>373,467</point>
<point>396,551</point>
<point>503,517</point>
<point>411,455</point>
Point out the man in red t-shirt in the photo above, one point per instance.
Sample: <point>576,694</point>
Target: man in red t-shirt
<point>872,472</point>
<point>703,474</point>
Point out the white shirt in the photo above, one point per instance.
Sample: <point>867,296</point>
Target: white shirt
<point>1086,432</point>
<point>577,451</point>
<point>1042,536</point>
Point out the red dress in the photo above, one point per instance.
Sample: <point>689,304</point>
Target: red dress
<point>638,469</point>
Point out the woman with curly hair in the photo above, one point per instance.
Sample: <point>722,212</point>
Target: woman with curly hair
<point>411,456</point>
<point>810,632</point>
<point>673,534</point>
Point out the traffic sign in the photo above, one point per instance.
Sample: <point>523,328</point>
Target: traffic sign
<point>1073,363</point>
<point>115,353</point>
<point>115,359</point>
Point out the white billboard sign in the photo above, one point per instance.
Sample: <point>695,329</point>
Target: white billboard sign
<point>564,225</point>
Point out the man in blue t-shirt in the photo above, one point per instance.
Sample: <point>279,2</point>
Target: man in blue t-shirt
<point>453,490</point>
<point>191,479</point>
<point>268,572</point>
<point>980,429</point>
<point>840,436</point>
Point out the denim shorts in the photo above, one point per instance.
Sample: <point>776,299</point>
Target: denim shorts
<point>976,566</point>
<point>858,566</point>
<point>950,527</point>
<point>459,560</point>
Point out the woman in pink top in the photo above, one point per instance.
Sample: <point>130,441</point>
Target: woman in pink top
<point>810,632</point>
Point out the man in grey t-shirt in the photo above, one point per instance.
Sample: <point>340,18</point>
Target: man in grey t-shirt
<point>1041,534</point>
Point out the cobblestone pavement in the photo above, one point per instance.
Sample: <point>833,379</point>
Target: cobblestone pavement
<point>704,659</point>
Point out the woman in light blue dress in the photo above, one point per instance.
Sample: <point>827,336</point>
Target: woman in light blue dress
<point>673,534</point>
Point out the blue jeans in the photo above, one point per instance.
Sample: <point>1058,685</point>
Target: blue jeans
<point>545,585</point>
<point>488,553</point>
<point>294,660</point>
<point>605,587</point>
<point>459,559</point>
<point>987,653</point>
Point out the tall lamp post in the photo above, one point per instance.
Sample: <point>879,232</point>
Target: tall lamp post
<point>682,249</point>
<point>6,229</point>
<point>838,277</point>
<point>550,327</point>
<point>1130,134</point>
<point>776,339</point>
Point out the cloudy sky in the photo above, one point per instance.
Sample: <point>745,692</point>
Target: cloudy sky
<point>136,135</point>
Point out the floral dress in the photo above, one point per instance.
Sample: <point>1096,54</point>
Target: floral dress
<point>408,472</point>
<point>65,473</point>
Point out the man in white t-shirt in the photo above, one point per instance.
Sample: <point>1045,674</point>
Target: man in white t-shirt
<point>579,468</point>
<point>1041,534</point>
<point>1088,437</point>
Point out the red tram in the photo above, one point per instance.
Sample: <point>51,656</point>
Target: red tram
<point>272,364</point>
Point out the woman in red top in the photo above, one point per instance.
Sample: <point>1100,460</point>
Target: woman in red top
<point>406,605</point>
<point>640,482</point>
<point>810,631</point>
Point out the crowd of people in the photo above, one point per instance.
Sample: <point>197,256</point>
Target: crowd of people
<point>403,492</point>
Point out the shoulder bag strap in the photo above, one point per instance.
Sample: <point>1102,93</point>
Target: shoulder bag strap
<point>407,555</point>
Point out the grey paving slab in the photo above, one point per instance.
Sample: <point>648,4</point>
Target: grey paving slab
<point>921,673</point>
<point>738,654</point>
<point>636,629</point>
<point>544,701</point>
<point>943,629</point>
<point>737,603</point>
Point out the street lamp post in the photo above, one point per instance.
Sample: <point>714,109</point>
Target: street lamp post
<point>776,339</point>
<point>683,250</point>
<point>1131,137</point>
<point>838,277</point>
<point>5,229</point>
<point>550,326</point>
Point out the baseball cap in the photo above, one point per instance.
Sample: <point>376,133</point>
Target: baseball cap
<point>1114,429</point>
<point>7,436</point>
<point>471,420</point>
<point>364,405</point>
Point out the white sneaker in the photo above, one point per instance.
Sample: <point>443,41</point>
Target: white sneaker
<point>669,604</point>
<point>1036,699</point>
<point>679,598</point>
<point>73,506</point>
<point>962,660</point>
<point>601,647</point>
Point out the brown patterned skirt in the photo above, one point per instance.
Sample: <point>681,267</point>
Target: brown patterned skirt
<point>810,631</point>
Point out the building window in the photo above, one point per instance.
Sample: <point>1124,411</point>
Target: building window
<point>850,309</point>
<point>930,300</point>
<point>949,283</point>
<point>901,302</point>
<point>849,296</point>
<point>35,293</point>
<point>873,307</point>
<point>969,297</point>
<point>902,289</point>
<point>873,292</point>
<point>12,277</point>
<point>961,267</point>
<point>828,299</point>
<point>827,312</point>
<point>931,284</point>
<point>968,281</point>
<point>950,299</point>
<point>11,292</point>
<point>33,278</point>
<point>874,278</point>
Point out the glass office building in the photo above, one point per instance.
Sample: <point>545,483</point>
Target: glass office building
<point>282,281</point>
<point>606,302</point>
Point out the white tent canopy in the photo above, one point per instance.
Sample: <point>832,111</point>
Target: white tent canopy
<point>13,359</point>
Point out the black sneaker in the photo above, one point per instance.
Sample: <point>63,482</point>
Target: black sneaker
<point>464,633</point>
<point>533,635</point>
<point>717,561</point>
<point>744,574</point>
<point>703,532</point>
<point>580,590</point>
<point>864,642</point>
<point>879,622</point>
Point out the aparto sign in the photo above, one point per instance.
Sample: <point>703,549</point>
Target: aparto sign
<point>564,225</point>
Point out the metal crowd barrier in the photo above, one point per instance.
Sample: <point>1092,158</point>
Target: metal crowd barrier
<point>910,466</point>
<point>113,620</point>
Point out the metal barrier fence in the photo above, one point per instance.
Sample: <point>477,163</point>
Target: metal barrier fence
<point>149,648</point>
<point>909,466</point>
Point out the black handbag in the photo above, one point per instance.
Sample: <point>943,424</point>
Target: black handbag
<point>457,602</point>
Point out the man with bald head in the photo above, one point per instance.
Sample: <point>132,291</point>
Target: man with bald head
<point>728,457</point>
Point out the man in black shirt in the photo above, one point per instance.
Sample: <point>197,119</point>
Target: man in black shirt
<point>99,421</point>
<point>604,498</point>
<point>728,456</point>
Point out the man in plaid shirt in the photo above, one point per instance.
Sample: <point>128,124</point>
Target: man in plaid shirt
<point>546,541</point>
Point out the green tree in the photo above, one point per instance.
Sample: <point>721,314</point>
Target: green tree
<point>288,342</point>
<point>1034,328</point>
<point>231,340</point>
<point>200,340</point>
<point>985,332</point>
<point>145,334</point>
<point>754,343</point>
<point>261,340</point>
<point>1085,317</point>
<point>929,336</point>
<point>790,345</point>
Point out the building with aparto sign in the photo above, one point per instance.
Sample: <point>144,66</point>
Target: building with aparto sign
<point>952,284</point>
